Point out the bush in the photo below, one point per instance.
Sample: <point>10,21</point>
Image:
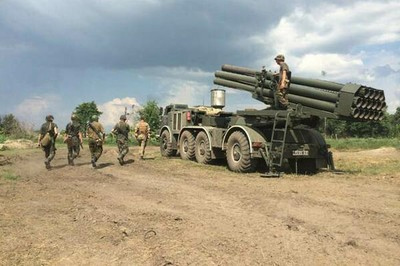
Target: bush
<point>11,128</point>
<point>2,138</point>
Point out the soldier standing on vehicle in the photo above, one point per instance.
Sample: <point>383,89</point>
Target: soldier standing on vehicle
<point>121,130</point>
<point>73,138</point>
<point>96,135</point>
<point>283,82</point>
<point>142,134</point>
<point>47,139</point>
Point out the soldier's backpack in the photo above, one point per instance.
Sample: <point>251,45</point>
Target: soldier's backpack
<point>46,140</point>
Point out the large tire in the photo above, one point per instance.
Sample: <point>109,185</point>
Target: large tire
<point>238,154</point>
<point>305,166</point>
<point>203,152</point>
<point>166,145</point>
<point>187,145</point>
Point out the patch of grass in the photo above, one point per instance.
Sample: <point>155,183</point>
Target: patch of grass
<point>363,143</point>
<point>9,175</point>
<point>2,138</point>
<point>385,167</point>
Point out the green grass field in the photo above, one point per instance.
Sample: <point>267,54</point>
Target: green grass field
<point>363,143</point>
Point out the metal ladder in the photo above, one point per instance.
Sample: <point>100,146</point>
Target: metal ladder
<point>273,154</point>
<point>277,146</point>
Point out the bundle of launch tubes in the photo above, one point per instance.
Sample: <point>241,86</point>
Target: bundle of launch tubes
<point>350,100</point>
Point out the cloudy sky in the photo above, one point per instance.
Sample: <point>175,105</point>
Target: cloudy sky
<point>56,54</point>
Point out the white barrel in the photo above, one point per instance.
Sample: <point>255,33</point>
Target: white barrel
<point>218,98</point>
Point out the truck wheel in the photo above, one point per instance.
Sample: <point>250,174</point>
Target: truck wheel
<point>187,145</point>
<point>238,154</point>
<point>166,145</point>
<point>203,152</point>
<point>304,166</point>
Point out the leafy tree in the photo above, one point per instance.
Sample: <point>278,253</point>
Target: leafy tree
<point>11,127</point>
<point>85,111</point>
<point>396,116</point>
<point>151,114</point>
<point>393,122</point>
<point>333,127</point>
<point>365,129</point>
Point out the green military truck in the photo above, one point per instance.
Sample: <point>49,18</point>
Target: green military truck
<point>271,136</point>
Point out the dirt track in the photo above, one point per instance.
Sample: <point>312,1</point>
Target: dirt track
<point>172,212</point>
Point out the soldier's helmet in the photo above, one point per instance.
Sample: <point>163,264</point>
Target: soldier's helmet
<point>280,57</point>
<point>49,118</point>
<point>74,117</point>
<point>94,118</point>
<point>122,117</point>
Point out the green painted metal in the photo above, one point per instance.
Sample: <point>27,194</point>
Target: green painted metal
<point>313,94</point>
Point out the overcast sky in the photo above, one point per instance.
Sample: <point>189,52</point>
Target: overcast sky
<point>56,54</point>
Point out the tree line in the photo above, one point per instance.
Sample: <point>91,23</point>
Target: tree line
<point>389,126</point>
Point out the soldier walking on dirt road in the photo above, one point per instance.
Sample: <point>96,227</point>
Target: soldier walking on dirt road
<point>142,134</point>
<point>47,139</point>
<point>96,135</point>
<point>121,130</point>
<point>73,138</point>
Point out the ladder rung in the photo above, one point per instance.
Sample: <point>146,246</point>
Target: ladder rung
<point>279,129</point>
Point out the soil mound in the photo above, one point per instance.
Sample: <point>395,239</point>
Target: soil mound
<point>17,144</point>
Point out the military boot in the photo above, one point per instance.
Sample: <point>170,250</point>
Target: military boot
<point>70,161</point>
<point>93,161</point>
<point>47,164</point>
<point>120,160</point>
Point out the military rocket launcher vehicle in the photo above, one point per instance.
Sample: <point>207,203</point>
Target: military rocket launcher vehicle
<point>271,137</point>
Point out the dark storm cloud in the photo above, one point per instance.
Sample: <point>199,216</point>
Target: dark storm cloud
<point>130,35</point>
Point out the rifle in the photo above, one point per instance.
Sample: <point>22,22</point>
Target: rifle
<point>97,132</point>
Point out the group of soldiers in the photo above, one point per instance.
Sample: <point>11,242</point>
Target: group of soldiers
<point>96,136</point>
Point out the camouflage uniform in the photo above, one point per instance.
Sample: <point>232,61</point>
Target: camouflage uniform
<point>142,134</point>
<point>73,140</point>
<point>121,129</point>
<point>283,85</point>
<point>50,149</point>
<point>95,140</point>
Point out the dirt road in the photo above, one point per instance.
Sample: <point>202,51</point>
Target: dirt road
<point>172,212</point>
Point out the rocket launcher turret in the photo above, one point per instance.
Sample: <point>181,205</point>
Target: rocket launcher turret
<point>316,97</point>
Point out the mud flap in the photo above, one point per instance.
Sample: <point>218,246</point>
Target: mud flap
<point>329,161</point>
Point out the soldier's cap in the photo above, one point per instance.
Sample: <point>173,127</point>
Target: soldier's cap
<point>122,117</point>
<point>280,57</point>
<point>49,118</point>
